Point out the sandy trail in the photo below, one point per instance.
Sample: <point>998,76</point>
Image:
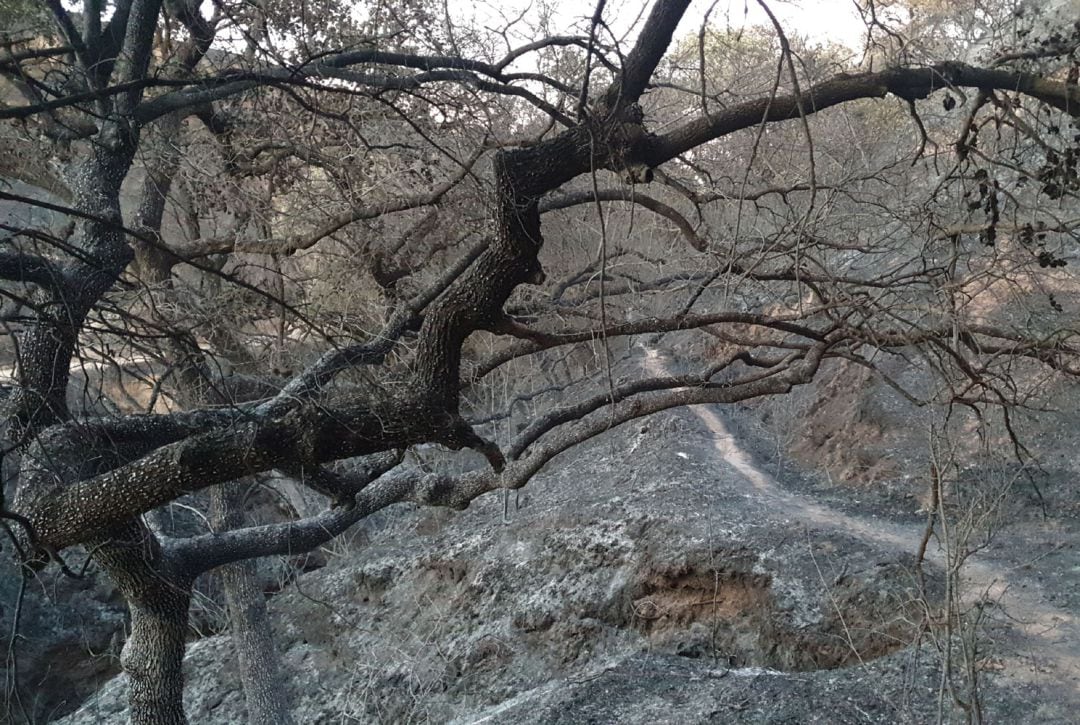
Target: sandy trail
<point>1046,650</point>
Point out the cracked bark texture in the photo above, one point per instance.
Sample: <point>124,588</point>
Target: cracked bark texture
<point>158,593</point>
<point>249,623</point>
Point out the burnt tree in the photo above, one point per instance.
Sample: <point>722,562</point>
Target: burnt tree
<point>89,480</point>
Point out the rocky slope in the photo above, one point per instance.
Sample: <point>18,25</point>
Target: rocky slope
<point>654,577</point>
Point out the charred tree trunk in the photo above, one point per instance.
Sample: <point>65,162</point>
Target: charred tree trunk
<point>47,345</point>
<point>249,622</point>
<point>153,658</point>
<point>158,594</point>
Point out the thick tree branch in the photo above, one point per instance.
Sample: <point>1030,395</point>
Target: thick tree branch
<point>458,491</point>
<point>133,59</point>
<point>223,86</point>
<point>651,46</point>
<point>906,83</point>
<point>371,352</point>
<point>22,267</point>
<point>308,435</point>
<point>341,487</point>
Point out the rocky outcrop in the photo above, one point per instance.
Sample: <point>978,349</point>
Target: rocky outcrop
<point>69,636</point>
<point>642,555</point>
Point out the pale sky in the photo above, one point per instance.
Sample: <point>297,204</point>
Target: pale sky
<point>822,21</point>
<point>818,20</point>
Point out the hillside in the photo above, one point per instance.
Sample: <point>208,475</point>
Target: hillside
<point>664,575</point>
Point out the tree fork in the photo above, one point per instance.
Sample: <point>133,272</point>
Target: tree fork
<point>158,593</point>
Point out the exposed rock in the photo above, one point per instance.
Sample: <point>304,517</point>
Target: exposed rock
<point>639,582</point>
<point>69,638</point>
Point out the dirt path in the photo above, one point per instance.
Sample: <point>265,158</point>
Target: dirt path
<point>1043,648</point>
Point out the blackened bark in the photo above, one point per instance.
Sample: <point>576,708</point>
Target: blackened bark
<point>46,347</point>
<point>650,48</point>
<point>249,622</point>
<point>153,660</point>
<point>158,594</point>
<point>475,301</point>
<point>906,83</point>
<point>152,257</point>
<point>45,351</point>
